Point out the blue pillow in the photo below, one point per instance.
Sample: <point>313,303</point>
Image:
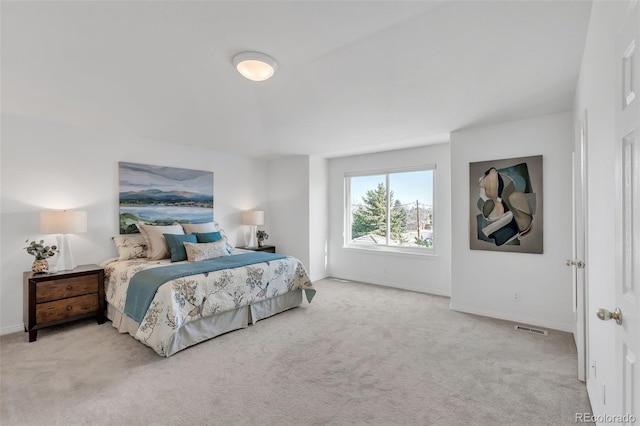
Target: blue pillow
<point>208,237</point>
<point>176,246</point>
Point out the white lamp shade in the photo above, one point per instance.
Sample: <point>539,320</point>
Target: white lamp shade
<point>63,222</point>
<point>253,217</point>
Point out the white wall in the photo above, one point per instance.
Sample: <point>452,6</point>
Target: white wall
<point>428,274</point>
<point>595,93</point>
<point>318,217</point>
<point>298,203</point>
<point>289,206</point>
<point>50,166</point>
<point>484,282</point>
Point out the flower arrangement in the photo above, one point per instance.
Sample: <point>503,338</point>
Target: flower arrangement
<point>261,235</point>
<point>39,250</point>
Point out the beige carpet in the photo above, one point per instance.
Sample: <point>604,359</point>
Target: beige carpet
<point>359,354</point>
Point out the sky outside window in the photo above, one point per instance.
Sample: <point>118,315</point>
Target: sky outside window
<point>407,187</point>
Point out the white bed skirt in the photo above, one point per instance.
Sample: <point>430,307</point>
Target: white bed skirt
<point>206,328</point>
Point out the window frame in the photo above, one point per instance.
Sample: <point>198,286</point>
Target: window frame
<point>387,248</point>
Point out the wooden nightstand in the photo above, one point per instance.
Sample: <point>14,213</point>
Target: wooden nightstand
<point>270,249</point>
<point>51,299</point>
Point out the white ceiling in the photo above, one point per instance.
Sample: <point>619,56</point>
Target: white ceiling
<point>353,76</point>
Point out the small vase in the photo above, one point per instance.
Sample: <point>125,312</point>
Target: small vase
<point>40,265</point>
<point>260,243</point>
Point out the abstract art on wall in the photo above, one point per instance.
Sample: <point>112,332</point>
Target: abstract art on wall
<point>506,205</point>
<point>159,195</point>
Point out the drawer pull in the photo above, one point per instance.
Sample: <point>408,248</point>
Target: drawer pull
<point>69,287</point>
<point>70,307</point>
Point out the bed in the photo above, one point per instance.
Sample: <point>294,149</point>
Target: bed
<point>198,301</point>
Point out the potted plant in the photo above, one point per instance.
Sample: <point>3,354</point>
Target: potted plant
<point>261,235</point>
<point>41,253</point>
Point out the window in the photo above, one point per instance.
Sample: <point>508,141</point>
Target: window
<point>390,210</point>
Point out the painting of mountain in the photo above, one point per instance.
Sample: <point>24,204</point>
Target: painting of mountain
<point>159,195</point>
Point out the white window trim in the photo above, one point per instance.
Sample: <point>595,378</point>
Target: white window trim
<point>387,248</point>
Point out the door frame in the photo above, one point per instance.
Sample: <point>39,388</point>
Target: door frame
<point>580,239</point>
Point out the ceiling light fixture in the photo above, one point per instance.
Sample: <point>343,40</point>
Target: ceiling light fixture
<point>255,66</point>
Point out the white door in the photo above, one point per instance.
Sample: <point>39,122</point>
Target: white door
<point>625,315</point>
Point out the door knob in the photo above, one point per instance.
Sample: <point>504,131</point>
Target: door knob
<point>605,315</point>
<point>576,263</point>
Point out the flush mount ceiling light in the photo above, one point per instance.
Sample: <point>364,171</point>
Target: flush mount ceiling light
<point>254,65</point>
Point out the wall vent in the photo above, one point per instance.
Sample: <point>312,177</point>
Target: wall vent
<point>531,330</point>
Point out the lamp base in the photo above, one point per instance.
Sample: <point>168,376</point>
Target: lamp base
<point>65,257</point>
<point>252,236</point>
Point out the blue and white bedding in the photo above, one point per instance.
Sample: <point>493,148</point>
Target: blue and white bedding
<point>181,302</point>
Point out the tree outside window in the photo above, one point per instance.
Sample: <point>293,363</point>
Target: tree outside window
<point>374,202</point>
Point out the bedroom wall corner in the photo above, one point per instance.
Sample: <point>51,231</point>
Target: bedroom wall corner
<point>289,206</point>
<point>45,165</point>
<point>485,282</point>
<point>318,217</point>
<point>299,209</point>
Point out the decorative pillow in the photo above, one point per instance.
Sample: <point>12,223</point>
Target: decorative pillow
<point>192,228</point>
<point>228,244</point>
<point>208,237</point>
<point>176,246</point>
<point>204,251</point>
<point>131,247</point>
<point>157,247</point>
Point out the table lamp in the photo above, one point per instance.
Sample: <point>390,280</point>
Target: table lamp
<point>63,222</point>
<point>253,218</point>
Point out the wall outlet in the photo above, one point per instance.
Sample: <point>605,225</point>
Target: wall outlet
<point>516,297</point>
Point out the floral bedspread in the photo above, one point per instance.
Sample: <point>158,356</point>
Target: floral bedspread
<point>182,300</point>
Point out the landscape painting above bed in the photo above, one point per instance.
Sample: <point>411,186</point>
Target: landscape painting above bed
<point>158,195</point>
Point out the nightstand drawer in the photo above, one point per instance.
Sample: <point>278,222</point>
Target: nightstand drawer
<point>59,297</point>
<point>66,308</point>
<point>69,287</point>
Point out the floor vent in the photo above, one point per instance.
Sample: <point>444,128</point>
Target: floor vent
<point>531,330</point>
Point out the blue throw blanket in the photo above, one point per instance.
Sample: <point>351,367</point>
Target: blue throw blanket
<point>144,284</point>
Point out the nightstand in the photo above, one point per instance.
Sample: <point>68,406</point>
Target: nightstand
<point>51,299</point>
<point>270,249</point>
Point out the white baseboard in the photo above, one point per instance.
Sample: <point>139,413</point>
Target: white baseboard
<point>594,398</point>
<point>393,284</point>
<point>11,329</point>
<point>318,278</point>
<point>513,318</point>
